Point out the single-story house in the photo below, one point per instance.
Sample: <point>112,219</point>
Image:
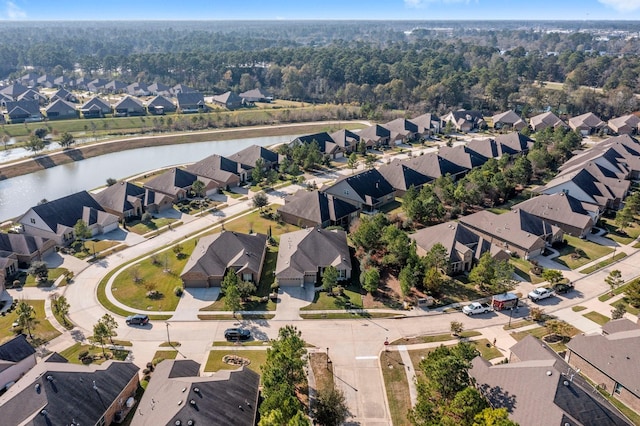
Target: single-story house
<point>375,136</point>
<point>428,124</point>
<point>465,120</point>
<point>367,190</point>
<point>225,398</point>
<point>23,111</point>
<point>123,199</point>
<point>155,202</point>
<point>128,107</point>
<point>95,108</point>
<point>402,177</point>
<point>96,85</point>
<point>160,105</point>
<point>63,94</point>
<point>215,255</point>
<point>435,166</point>
<point>573,216</point>
<point>544,120</point>
<point>248,157</point>
<point>313,208</point>
<point>175,183</point>
<point>513,143</point>
<point>303,256</point>
<point>17,357</point>
<point>55,219</point>
<point>346,139</point>
<point>115,86</point>
<point>182,88</point>
<point>228,100</point>
<point>462,156</point>
<point>14,90</point>
<point>8,268</point>
<point>515,232</point>
<point>137,89</point>
<point>159,89</point>
<point>27,248</point>
<point>190,102</point>
<point>586,124</point>
<point>625,125</point>
<point>61,110</point>
<point>537,387</point>
<point>407,129</point>
<point>62,393</point>
<point>219,172</point>
<point>611,361</point>
<point>464,246</point>
<point>325,143</point>
<point>256,95</point>
<point>508,120</point>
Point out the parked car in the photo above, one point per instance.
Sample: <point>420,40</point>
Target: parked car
<point>236,334</point>
<point>541,293</point>
<point>137,319</point>
<point>563,288</point>
<point>477,308</point>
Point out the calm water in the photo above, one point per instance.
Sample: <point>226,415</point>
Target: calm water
<point>19,194</point>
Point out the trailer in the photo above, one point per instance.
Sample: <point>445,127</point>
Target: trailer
<point>504,301</point>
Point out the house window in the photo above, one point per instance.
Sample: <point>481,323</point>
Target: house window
<point>33,220</point>
<point>101,422</point>
<point>618,388</point>
<point>247,277</point>
<point>342,274</point>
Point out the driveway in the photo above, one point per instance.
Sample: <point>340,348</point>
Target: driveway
<point>291,299</point>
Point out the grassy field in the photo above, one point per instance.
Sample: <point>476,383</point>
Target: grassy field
<point>458,290</point>
<point>215,363</point>
<point>42,332</point>
<point>540,332</point>
<point>84,249</point>
<point>603,263</point>
<point>628,235</point>
<point>322,300</point>
<point>522,267</point>
<point>72,352</point>
<point>592,251</point>
<point>597,317</point>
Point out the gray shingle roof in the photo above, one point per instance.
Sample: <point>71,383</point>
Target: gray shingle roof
<point>68,210</point>
<point>368,184</point>
<point>162,101</point>
<point>94,103</point>
<point>316,206</point>
<point>117,196</point>
<point>544,120</point>
<point>21,244</point>
<point>190,99</point>
<point>61,107</point>
<point>251,154</point>
<point>172,181</point>
<point>588,120</point>
<point>401,176</point>
<point>16,349</point>
<point>557,208</point>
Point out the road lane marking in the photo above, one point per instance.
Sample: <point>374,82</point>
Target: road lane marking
<point>367,357</point>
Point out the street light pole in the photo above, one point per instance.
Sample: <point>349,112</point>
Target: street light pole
<point>328,361</point>
<point>168,338</point>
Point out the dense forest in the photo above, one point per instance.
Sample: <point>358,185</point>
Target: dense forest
<point>413,66</point>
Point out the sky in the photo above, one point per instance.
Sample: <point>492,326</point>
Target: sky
<point>74,10</point>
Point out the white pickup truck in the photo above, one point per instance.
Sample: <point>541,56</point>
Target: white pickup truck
<point>541,293</point>
<point>477,308</point>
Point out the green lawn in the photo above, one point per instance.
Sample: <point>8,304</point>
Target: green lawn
<point>160,356</point>
<point>434,338</point>
<point>27,280</point>
<point>351,315</point>
<point>396,386</point>
<point>260,225</point>
<point>603,263</point>
<point>42,332</point>
<point>142,228</point>
<point>522,267</point>
<point>72,352</point>
<point>592,251</point>
<point>458,290</point>
<point>214,360</point>
<point>540,332</point>
<point>578,308</point>
<point>597,317</point>
<point>322,300</point>
<point>626,236</point>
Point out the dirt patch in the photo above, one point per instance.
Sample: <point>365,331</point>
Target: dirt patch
<point>388,295</point>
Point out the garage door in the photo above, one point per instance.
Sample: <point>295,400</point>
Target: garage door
<point>310,278</point>
<point>110,227</point>
<point>289,282</point>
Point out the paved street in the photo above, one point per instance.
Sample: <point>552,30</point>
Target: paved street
<point>354,345</point>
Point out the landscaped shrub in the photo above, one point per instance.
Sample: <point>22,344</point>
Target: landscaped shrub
<point>178,291</point>
<point>83,354</point>
<point>154,294</point>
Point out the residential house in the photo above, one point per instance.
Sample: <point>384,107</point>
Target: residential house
<point>215,255</point>
<point>174,183</point>
<point>137,89</point>
<point>63,94</point>
<point>513,143</point>
<point>248,157</point>
<point>29,79</point>
<point>619,325</point>
<point>313,208</point>
<point>59,393</point>
<point>367,190</point>
<point>129,107</point>
<point>375,136</point>
<point>619,154</point>
<point>61,110</point>
<point>515,232</point>
<point>47,81</point>
<point>573,216</point>
<point>486,147</point>
<point>27,248</point>
<point>81,83</point>
<point>610,360</point>
<point>182,88</point>
<point>62,81</point>
<point>464,247</point>
<point>191,102</point>
<point>228,100</point>
<point>303,256</point>
<point>465,120</point>
<point>155,202</point>
<point>13,91</point>
<point>23,111</point>
<point>220,172</point>
<point>32,95</point>
<point>406,129</point>
<point>435,166</point>
<point>625,125</point>
<point>159,89</point>
<point>462,156</point>
<point>123,199</point>
<point>160,105</point>
<point>96,85</point>
<point>115,86</point>
<point>224,398</point>
<point>586,124</point>
<point>544,120</point>
<point>17,357</point>
<point>538,388</point>
<point>325,143</point>
<point>508,120</point>
<point>256,95</point>
<point>55,219</point>
<point>95,108</point>
<point>402,177</point>
<point>428,124</point>
<point>8,268</point>
<point>346,139</point>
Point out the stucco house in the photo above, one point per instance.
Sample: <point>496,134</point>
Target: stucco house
<point>303,255</point>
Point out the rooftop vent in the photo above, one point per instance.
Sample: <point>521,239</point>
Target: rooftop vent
<point>50,378</point>
<point>177,423</point>
<point>192,402</point>
<point>190,422</point>
<point>196,390</point>
<point>184,389</point>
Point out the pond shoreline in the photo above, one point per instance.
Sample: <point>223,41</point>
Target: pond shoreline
<point>31,165</point>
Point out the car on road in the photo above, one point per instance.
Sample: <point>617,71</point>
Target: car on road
<point>541,293</point>
<point>137,319</point>
<point>563,288</point>
<point>236,334</point>
<point>477,308</point>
